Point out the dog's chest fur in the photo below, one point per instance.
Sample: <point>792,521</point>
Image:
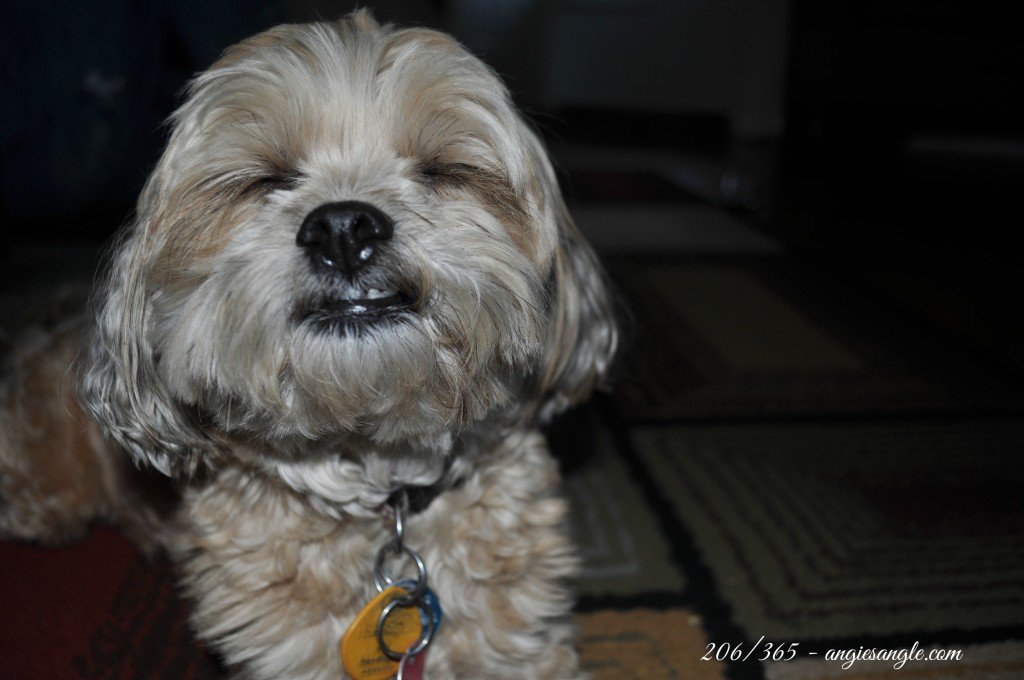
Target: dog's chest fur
<point>276,585</point>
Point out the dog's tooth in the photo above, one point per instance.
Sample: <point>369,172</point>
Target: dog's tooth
<point>350,292</point>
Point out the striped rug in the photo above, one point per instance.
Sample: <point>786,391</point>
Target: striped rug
<point>850,532</point>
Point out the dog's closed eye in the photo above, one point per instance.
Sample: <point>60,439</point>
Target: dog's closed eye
<point>265,184</point>
<point>438,174</point>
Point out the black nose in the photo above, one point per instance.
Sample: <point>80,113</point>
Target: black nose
<point>344,236</point>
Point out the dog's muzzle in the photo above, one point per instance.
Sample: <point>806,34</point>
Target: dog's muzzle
<point>341,239</point>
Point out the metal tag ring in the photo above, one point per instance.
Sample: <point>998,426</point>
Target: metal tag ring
<point>399,510</point>
<point>382,575</point>
<point>426,635</point>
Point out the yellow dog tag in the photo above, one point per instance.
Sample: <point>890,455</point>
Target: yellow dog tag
<point>361,653</point>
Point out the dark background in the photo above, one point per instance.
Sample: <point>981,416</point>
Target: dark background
<point>881,138</point>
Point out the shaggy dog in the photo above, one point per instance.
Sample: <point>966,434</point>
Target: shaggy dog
<point>351,273</point>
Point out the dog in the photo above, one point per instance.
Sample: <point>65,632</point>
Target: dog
<point>351,274</point>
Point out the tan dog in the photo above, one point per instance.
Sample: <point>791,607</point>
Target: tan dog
<point>351,272</point>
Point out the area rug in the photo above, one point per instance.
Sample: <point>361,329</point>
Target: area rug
<point>766,337</point>
<point>853,533</point>
<point>95,609</point>
<point>645,644</point>
<point>623,550</point>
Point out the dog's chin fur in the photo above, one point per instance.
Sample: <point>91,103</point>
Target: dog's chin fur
<point>217,346</point>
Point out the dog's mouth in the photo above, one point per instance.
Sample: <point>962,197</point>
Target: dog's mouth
<point>373,303</point>
<point>356,307</point>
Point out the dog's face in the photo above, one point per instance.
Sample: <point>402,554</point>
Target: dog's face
<point>351,234</point>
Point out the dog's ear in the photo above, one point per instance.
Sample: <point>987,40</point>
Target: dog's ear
<point>121,384</point>
<point>583,330</point>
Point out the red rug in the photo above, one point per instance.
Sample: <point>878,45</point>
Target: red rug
<point>96,609</point>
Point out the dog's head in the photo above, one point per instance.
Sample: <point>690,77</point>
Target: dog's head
<point>351,234</point>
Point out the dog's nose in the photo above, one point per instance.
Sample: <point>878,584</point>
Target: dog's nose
<point>344,236</point>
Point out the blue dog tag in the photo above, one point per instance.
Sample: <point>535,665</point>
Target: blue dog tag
<point>434,605</point>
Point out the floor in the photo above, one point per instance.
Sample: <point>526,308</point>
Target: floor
<point>797,452</point>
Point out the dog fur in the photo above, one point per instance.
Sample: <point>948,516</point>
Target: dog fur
<point>203,360</point>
